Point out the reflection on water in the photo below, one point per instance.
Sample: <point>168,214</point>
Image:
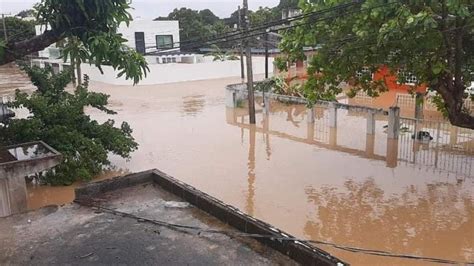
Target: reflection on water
<point>417,219</point>
<point>24,153</point>
<point>29,152</point>
<point>315,182</point>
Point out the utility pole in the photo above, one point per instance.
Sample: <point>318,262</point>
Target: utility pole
<point>4,27</point>
<point>248,54</point>
<point>242,69</point>
<point>266,54</point>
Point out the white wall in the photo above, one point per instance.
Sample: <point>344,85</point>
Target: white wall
<point>39,29</point>
<point>151,29</point>
<point>170,73</point>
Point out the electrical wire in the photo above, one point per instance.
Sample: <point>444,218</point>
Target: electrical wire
<point>273,23</point>
<point>242,35</point>
<point>270,237</point>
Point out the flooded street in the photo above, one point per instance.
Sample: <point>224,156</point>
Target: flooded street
<point>339,187</point>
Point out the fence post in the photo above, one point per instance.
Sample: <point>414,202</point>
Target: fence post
<point>230,98</point>
<point>310,116</point>
<point>266,104</point>
<point>419,105</point>
<point>393,123</point>
<point>371,122</point>
<point>332,115</point>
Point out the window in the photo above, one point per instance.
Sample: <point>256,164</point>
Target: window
<point>140,42</point>
<point>406,77</point>
<point>364,72</point>
<point>164,41</point>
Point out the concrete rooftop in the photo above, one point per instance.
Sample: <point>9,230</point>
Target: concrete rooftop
<point>74,234</point>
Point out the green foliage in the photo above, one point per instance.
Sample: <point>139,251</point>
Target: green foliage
<point>94,23</point>
<point>57,117</point>
<point>196,25</point>
<point>288,4</point>
<point>26,13</point>
<point>281,63</point>
<point>264,15</point>
<point>17,29</point>
<point>220,55</point>
<point>432,40</point>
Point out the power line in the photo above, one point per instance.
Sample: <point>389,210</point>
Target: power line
<point>276,23</point>
<point>199,230</point>
<point>242,35</point>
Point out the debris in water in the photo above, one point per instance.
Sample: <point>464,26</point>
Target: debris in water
<point>176,204</point>
<point>87,255</point>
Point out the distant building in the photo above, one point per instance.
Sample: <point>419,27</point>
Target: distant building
<point>145,36</point>
<point>290,12</point>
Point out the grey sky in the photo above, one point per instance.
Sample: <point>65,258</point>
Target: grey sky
<point>155,8</point>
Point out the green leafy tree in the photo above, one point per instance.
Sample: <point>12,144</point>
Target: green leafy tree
<point>264,15</point>
<point>26,13</point>
<point>94,23</point>
<point>207,17</point>
<point>285,4</point>
<point>191,24</point>
<point>17,29</point>
<point>57,117</point>
<point>434,40</point>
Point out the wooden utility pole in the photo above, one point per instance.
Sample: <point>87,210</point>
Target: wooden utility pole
<point>242,68</point>
<point>266,54</point>
<point>4,27</point>
<point>248,55</point>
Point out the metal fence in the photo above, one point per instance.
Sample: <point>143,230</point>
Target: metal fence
<point>436,144</point>
<point>408,101</point>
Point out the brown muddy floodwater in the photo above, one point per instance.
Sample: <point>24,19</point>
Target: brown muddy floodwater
<point>338,186</point>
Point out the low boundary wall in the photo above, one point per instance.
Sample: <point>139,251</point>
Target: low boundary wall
<point>303,253</point>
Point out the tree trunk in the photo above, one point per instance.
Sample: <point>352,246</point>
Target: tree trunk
<point>15,50</point>
<point>454,102</point>
<point>79,72</point>
<point>73,72</point>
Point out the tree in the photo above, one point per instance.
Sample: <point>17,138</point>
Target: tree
<point>285,4</point>
<point>264,15</point>
<point>94,23</point>
<point>207,17</point>
<point>58,118</point>
<point>26,13</point>
<point>434,40</point>
<point>17,29</point>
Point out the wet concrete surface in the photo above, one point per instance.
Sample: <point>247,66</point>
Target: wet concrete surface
<point>338,187</point>
<point>77,235</point>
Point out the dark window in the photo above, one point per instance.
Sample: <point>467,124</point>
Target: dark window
<point>140,42</point>
<point>164,41</point>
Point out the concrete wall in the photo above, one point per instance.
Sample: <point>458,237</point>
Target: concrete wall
<point>170,73</point>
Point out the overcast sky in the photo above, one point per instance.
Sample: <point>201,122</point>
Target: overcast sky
<point>155,8</point>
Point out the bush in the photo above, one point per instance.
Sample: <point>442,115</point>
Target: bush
<point>57,117</point>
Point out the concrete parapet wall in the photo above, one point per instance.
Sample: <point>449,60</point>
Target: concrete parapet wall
<point>170,73</point>
<point>301,252</point>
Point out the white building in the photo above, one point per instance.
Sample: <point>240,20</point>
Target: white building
<point>142,35</point>
<point>159,42</point>
<point>148,36</point>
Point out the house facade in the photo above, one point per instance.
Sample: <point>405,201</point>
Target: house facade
<point>145,36</point>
